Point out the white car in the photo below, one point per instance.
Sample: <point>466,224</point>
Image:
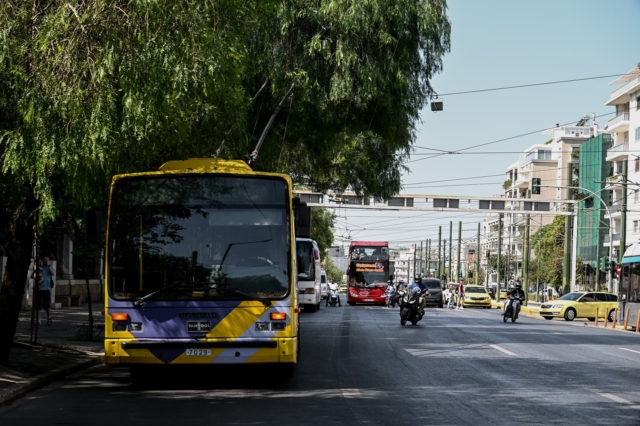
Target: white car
<point>324,285</point>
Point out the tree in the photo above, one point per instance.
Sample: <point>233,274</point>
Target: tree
<point>90,89</point>
<point>322,229</point>
<point>333,273</point>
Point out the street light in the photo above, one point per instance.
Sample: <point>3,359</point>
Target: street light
<point>575,234</point>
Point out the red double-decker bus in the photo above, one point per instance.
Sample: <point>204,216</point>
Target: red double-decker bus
<point>368,272</point>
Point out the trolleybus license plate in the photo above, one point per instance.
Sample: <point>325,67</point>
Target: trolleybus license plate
<point>198,352</point>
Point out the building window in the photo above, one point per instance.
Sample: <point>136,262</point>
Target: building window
<point>637,133</point>
<point>635,196</point>
<point>637,164</point>
<point>635,226</point>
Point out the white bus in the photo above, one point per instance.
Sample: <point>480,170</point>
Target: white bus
<point>308,261</point>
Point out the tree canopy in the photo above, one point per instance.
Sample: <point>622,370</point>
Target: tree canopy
<point>93,88</point>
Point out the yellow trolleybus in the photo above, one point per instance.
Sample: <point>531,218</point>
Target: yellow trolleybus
<point>200,262</point>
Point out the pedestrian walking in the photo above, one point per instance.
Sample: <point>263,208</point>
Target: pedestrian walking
<point>46,272</point>
<point>450,295</point>
<point>460,295</point>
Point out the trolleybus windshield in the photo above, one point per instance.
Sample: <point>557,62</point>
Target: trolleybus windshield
<point>202,237</point>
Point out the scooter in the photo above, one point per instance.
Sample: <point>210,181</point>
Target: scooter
<point>410,307</point>
<point>509,311</point>
<point>333,297</point>
<point>391,296</point>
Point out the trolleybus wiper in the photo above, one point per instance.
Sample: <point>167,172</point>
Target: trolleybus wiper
<point>139,301</point>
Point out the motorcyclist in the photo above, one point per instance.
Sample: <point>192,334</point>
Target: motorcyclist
<point>333,286</point>
<point>391,293</point>
<point>515,296</point>
<point>424,290</point>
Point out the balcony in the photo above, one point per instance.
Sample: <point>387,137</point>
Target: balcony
<point>619,123</point>
<point>618,152</point>
<point>616,239</point>
<point>617,95</point>
<point>615,180</point>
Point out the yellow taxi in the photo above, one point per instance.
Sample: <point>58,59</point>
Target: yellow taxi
<point>476,295</point>
<point>581,304</point>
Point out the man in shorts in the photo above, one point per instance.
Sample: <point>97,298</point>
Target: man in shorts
<point>43,295</point>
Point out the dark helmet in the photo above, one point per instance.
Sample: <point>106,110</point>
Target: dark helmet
<point>518,284</point>
<point>417,277</point>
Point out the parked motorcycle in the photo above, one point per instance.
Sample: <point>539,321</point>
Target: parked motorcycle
<point>410,307</point>
<point>333,297</point>
<point>391,296</point>
<point>509,311</point>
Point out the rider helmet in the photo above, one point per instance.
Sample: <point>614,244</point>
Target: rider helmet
<point>511,287</point>
<point>518,285</point>
<point>417,278</point>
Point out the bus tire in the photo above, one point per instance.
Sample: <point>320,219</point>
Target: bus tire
<point>312,308</point>
<point>285,371</point>
<point>318,306</point>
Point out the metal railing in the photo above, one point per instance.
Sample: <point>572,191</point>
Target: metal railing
<point>623,147</point>
<point>616,238</point>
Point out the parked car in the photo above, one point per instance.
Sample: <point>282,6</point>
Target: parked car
<point>342,288</point>
<point>581,305</point>
<point>476,295</point>
<point>435,297</point>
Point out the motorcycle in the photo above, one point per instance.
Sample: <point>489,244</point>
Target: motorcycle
<point>410,307</point>
<point>391,296</point>
<point>333,297</point>
<point>399,297</point>
<point>509,311</point>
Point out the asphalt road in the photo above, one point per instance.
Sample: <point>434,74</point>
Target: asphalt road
<point>359,366</point>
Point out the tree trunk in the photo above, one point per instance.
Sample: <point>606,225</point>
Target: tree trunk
<point>21,234</point>
<point>86,275</point>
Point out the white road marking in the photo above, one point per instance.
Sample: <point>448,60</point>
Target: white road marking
<point>630,350</point>
<point>351,393</point>
<point>615,398</point>
<point>503,350</point>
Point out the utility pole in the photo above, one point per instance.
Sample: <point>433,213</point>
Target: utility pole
<point>566,276</point>
<point>421,264</point>
<point>623,217</point>
<point>538,273</point>
<point>444,258</point>
<point>458,270</point>
<point>439,250</point>
<point>507,269</point>
<point>450,251</point>
<point>477,268</point>
<point>525,258</point>
<point>497,296</point>
<point>414,262</point>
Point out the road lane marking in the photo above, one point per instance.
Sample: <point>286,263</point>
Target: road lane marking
<point>351,393</point>
<point>615,398</point>
<point>630,350</point>
<point>503,350</point>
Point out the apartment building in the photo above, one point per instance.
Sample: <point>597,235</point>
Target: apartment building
<point>624,128</point>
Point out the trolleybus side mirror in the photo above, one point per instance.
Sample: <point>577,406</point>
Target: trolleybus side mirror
<point>302,214</point>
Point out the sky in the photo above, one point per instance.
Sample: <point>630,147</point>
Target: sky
<point>498,43</point>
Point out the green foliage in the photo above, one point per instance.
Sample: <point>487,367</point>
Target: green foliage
<point>333,273</point>
<point>507,184</point>
<point>322,229</point>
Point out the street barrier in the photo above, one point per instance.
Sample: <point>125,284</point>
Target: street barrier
<point>606,318</point>
<point>596,317</point>
<point>626,319</point>
<point>638,322</point>
<point>615,318</point>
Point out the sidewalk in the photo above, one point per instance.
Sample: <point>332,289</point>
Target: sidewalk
<point>58,351</point>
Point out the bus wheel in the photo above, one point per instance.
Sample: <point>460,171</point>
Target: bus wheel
<point>312,308</point>
<point>318,306</point>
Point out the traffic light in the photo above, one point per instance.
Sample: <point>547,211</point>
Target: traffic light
<point>535,186</point>
<point>604,263</point>
<point>612,265</point>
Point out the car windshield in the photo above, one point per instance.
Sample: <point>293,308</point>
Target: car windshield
<point>433,284</point>
<point>220,236</point>
<point>475,290</point>
<point>571,296</point>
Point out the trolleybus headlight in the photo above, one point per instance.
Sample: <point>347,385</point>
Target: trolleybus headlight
<point>353,294</point>
<point>262,326</point>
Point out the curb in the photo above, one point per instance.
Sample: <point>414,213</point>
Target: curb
<point>43,379</point>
